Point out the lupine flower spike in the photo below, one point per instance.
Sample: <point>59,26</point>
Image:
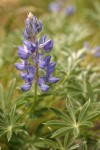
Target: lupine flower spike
<point>35,50</point>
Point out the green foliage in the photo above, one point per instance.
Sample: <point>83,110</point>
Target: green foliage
<point>70,122</point>
<point>75,99</point>
<point>9,122</point>
<point>66,145</point>
<point>6,97</point>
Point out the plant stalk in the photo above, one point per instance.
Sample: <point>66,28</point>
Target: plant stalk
<point>36,78</point>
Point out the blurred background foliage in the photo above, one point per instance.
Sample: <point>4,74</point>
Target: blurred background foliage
<point>76,63</point>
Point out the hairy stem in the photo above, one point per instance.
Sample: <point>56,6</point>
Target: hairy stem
<point>36,78</point>
<point>35,96</point>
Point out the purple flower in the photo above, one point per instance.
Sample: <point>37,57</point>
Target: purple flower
<point>26,35</point>
<point>44,88</point>
<point>32,56</point>
<point>97,51</point>
<point>20,66</point>
<point>50,69</point>
<point>86,45</point>
<point>70,10</point>
<point>46,45</point>
<point>23,53</point>
<point>53,80</point>
<point>55,7</point>
<point>31,69</point>
<point>33,27</point>
<point>49,72</point>
<point>94,51</point>
<point>27,77</point>
<point>41,82</point>
<point>39,27</point>
<point>30,46</point>
<point>42,39</point>
<point>43,63</point>
<point>26,87</point>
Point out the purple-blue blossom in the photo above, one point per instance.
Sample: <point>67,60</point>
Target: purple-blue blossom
<point>86,46</point>
<point>55,7</point>
<point>95,50</point>
<point>32,56</point>
<point>60,5</point>
<point>70,10</point>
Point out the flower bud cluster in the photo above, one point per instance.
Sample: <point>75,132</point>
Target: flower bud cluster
<point>33,57</point>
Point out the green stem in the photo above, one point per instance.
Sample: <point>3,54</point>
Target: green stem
<point>36,78</point>
<point>35,96</point>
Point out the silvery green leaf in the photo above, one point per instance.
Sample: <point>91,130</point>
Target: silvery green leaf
<point>12,114</point>
<point>97,146</point>
<point>50,143</point>
<point>91,115</point>
<point>84,145</point>
<point>87,123</point>
<point>76,131</point>
<point>83,111</point>
<point>56,123</point>
<point>70,141</point>
<point>2,100</point>
<point>71,110</point>
<point>61,114</point>
<point>61,131</point>
<point>74,147</point>
<point>10,91</point>
<point>9,134</point>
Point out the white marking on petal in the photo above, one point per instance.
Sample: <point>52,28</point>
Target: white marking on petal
<point>25,49</point>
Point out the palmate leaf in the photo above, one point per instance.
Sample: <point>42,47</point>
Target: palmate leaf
<point>87,123</point>
<point>10,91</point>
<point>59,144</point>
<point>76,87</point>
<point>71,110</point>
<point>69,122</point>
<point>61,115</point>
<point>90,92</point>
<point>9,122</point>
<point>91,115</point>
<point>76,131</point>
<point>50,143</point>
<point>9,135</point>
<point>66,139</point>
<point>2,97</point>
<point>61,131</point>
<point>85,116</point>
<point>13,117</point>
<point>56,123</point>
<point>97,146</point>
<point>83,112</point>
<point>84,146</point>
<point>69,140</point>
<point>12,110</point>
<point>74,147</point>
